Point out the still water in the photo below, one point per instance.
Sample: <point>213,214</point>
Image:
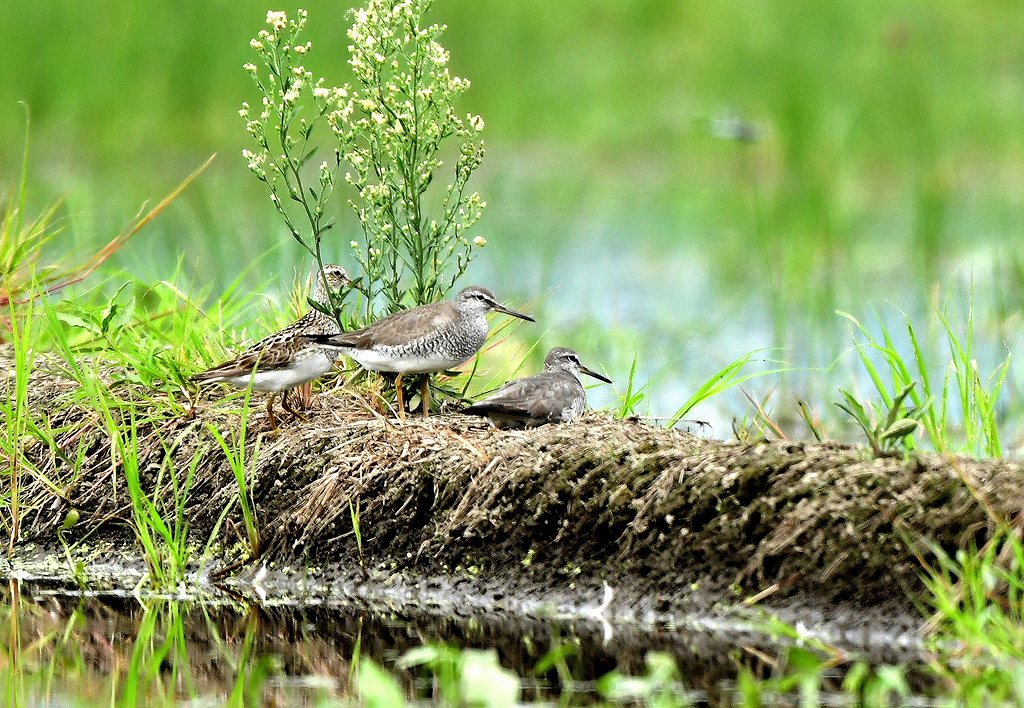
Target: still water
<point>62,647</point>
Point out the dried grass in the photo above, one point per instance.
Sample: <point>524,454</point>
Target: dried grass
<point>601,497</point>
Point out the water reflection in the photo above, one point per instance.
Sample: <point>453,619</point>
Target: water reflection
<point>63,649</point>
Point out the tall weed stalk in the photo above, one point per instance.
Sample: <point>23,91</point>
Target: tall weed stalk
<point>386,134</point>
<point>16,415</point>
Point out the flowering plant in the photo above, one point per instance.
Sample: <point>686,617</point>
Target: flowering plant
<point>387,129</point>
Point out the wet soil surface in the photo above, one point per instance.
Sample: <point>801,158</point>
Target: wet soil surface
<point>886,633</point>
<point>308,642</point>
<point>310,619</point>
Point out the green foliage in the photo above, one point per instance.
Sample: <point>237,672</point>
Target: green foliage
<point>376,687</point>
<point>17,419</point>
<point>252,667</point>
<point>557,659</point>
<point>150,332</point>
<point>801,673</point>
<point>353,512</point>
<point>160,642</point>
<point>466,677</point>
<point>387,129</point>
<point>22,240</point>
<point>977,596</point>
<point>974,429</point>
<point>237,456</point>
<point>892,431</point>
<point>164,541</point>
<point>876,686</point>
<point>800,676</point>
<point>732,374</point>
<point>632,396</point>
<point>660,687</point>
<point>151,336</point>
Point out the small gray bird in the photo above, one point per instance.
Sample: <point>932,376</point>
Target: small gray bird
<point>554,396</point>
<point>424,339</point>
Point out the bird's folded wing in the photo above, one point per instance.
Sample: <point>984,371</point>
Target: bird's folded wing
<point>397,330</point>
<point>256,357</point>
<point>538,397</point>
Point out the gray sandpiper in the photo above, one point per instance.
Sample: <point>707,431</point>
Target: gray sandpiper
<point>425,339</point>
<point>554,396</point>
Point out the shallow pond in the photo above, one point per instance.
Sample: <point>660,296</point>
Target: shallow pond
<point>63,647</point>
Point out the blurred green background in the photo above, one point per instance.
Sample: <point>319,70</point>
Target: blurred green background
<point>882,170</point>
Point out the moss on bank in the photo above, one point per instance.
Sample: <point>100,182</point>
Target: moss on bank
<point>601,498</point>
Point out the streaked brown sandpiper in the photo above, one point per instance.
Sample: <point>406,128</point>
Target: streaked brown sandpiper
<point>284,359</point>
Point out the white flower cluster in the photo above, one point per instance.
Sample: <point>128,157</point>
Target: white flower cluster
<point>281,130</point>
<point>389,126</point>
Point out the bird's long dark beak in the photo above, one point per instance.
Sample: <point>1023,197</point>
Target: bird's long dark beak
<point>316,339</point>
<point>590,372</point>
<point>515,313</point>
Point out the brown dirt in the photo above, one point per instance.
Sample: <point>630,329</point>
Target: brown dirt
<point>601,499</point>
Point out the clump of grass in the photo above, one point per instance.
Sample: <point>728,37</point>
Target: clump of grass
<point>235,452</point>
<point>24,287</point>
<point>164,541</point>
<point>729,376</point>
<point>977,597</point>
<point>130,356</point>
<point>962,415</point>
<point>892,431</point>
<point>165,551</point>
<point>632,396</point>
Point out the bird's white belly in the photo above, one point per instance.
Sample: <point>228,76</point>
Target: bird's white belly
<point>410,363</point>
<point>574,410</point>
<point>297,373</point>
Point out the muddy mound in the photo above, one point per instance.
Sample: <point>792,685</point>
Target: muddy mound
<point>598,499</point>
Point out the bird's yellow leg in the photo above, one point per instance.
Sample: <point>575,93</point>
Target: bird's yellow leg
<point>398,390</point>
<point>270,412</point>
<point>290,408</point>
<point>425,395</point>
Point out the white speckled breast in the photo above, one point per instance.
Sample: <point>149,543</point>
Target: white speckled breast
<point>444,348</point>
